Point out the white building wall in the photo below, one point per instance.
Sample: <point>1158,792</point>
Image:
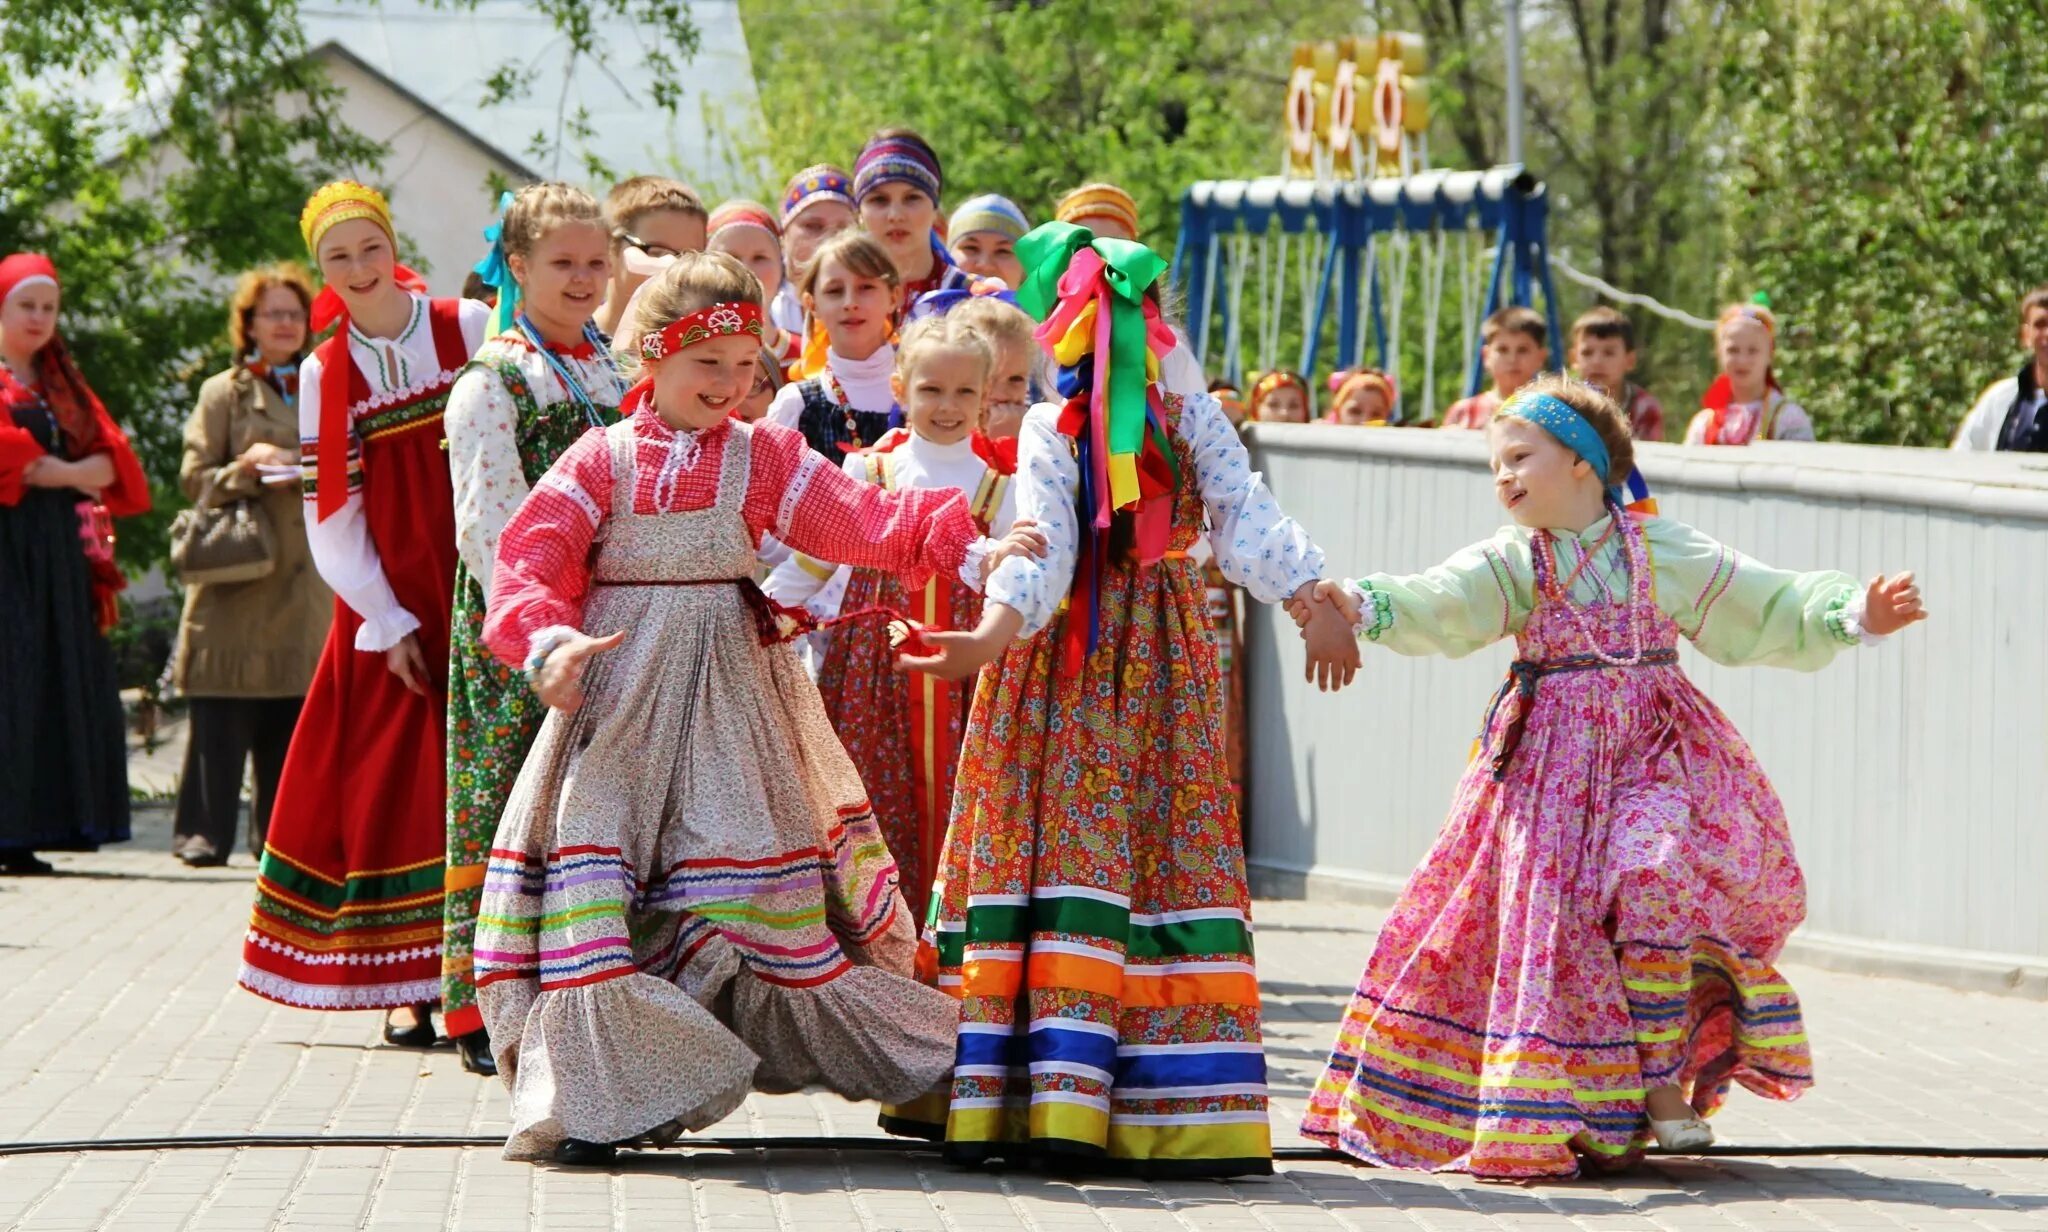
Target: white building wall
<point>1915,773</point>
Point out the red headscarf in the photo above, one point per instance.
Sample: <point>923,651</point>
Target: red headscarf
<point>78,410</point>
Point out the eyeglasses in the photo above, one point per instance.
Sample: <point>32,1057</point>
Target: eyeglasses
<point>282,316</point>
<point>652,250</point>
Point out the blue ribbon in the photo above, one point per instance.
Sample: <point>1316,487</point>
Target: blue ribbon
<point>1557,417</point>
<point>497,272</point>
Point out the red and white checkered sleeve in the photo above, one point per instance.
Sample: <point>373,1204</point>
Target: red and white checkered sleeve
<point>543,565</point>
<point>813,506</point>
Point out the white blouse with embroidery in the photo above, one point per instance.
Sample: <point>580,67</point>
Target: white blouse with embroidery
<point>396,370</point>
<point>1736,610</point>
<point>1257,545</point>
<point>482,423</point>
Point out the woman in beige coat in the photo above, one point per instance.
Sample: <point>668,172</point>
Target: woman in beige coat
<point>246,650</point>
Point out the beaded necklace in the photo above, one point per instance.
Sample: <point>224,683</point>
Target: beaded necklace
<point>591,335</point>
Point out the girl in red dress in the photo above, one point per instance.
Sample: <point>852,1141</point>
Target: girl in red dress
<point>349,897</point>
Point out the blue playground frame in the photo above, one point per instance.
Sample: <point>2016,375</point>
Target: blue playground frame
<point>1508,201</point>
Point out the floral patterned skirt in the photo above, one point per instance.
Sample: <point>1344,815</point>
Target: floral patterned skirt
<point>492,718</point>
<point>1093,918</point>
<point>1602,922</point>
<point>902,730</point>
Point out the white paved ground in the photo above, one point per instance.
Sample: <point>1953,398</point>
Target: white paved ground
<point>119,1019</point>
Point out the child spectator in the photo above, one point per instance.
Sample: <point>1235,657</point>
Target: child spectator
<point>1517,347</point>
<point>1602,354</point>
<point>1744,403</point>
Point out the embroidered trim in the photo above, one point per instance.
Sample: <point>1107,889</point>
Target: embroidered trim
<point>1503,579</point>
<point>1838,621</point>
<point>567,486</point>
<point>798,485</point>
<point>1717,585</point>
<point>1382,610</point>
<point>435,383</point>
<point>344,997</point>
<point>311,959</point>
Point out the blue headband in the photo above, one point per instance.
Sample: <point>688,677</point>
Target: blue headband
<point>1572,430</point>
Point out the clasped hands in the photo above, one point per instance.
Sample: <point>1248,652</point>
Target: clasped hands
<point>1326,617</point>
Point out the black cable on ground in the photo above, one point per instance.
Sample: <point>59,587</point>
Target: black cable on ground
<point>1286,1154</point>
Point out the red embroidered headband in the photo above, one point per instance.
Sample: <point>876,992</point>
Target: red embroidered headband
<point>717,321</point>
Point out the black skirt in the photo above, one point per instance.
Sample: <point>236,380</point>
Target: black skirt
<point>63,753</point>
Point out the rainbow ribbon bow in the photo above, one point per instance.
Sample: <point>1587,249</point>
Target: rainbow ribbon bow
<point>1107,338</point>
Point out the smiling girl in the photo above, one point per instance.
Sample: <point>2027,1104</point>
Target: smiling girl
<point>525,398</point>
<point>1583,962</point>
<point>348,900</point>
<point>983,235</point>
<point>688,897</point>
<point>903,731</point>
<point>849,289</point>
<point>1745,403</point>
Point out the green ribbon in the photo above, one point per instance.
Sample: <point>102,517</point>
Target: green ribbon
<point>1129,268</point>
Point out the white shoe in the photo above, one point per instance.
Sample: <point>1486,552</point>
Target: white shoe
<point>1689,1134</point>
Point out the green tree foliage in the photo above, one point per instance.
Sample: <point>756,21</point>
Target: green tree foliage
<point>202,170</point>
<point>154,148</point>
<point>1032,99</point>
<point>1884,168</point>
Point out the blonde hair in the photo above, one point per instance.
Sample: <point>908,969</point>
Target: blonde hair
<point>692,282</point>
<point>858,254</point>
<point>631,200</point>
<point>538,209</point>
<point>1598,410</point>
<point>933,335</point>
<point>1002,324</point>
<point>250,289</point>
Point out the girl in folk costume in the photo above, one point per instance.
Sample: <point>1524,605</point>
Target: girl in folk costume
<point>65,469</point>
<point>1583,961</point>
<point>903,730</point>
<point>1092,914</point>
<point>1363,398</point>
<point>348,899</point>
<point>849,289</point>
<point>1012,386</point>
<point>533,389</point>
<point>1112,213</point>
<point>747,232</point>
<point>817,204</point>
<point>1744,403</point>
<point>1279,396</point>
<point>982,235</point>
<point>896,185</point>
<point>687,896</point>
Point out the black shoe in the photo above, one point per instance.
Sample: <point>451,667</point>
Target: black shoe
<point>475,1050</point>
<point>196,852</point>
<point>577,1153</point>
<point>419,1035</point>
<point>24,864</point>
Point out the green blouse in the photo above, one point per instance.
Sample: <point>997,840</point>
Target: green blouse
<point>1734,609</point>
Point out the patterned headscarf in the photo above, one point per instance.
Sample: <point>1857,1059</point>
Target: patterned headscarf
<point>899,158</point>
<point>816,185</point>
<point>1099,201</point>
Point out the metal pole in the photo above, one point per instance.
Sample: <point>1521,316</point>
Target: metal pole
<point>1513,13</point>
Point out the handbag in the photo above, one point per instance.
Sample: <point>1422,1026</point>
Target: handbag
<point>212,543</point>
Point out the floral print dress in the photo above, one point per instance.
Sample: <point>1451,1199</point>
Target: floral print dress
<point>1601,912</point>
<point>509,417</point>
<point>1092,916</point>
